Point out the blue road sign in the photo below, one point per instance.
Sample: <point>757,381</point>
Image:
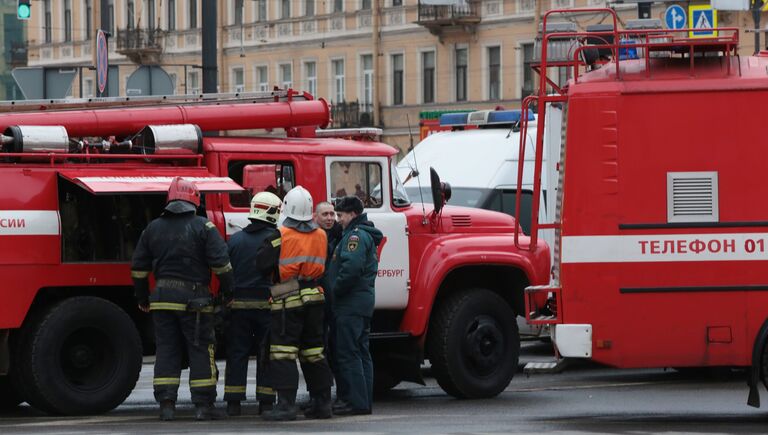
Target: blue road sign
<point>674,17</point>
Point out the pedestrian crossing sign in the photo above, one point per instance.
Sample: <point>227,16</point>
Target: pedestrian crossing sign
<point>702,17</point>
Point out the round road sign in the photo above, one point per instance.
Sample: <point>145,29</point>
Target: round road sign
<point>102,60</point>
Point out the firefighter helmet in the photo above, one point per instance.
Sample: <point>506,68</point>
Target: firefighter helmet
<point>184,190</point>
<point>297,204</point>
<point>265,206</point>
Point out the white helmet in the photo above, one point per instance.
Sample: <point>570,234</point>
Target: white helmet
<point>265,206</point>
<point>297,204</point>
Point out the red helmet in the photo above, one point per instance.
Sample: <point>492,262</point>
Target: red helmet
<point>184,190</point>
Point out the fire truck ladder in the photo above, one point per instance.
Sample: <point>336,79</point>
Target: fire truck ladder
<point>580,52</point>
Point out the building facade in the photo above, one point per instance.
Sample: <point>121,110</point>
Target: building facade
<point>380,62</point>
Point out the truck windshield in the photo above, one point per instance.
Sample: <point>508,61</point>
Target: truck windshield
<point>399,194</point>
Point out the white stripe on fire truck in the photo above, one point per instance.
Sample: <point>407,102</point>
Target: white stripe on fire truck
<point>665,247</point>
<point>29,223</point>
<point>148,179</point>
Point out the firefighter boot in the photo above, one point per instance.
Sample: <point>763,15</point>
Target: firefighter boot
<point>167,410</point>
<point>285,410</point>
<point>233,408</point>
<point>321,405</point>
<point>206,411</point>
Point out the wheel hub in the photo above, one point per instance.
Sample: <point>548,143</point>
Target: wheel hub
<point>484,344</point>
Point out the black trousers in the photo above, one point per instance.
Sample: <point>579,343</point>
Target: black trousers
<point>175,333</point>
<point>247,331</point>
<point>297,333</point>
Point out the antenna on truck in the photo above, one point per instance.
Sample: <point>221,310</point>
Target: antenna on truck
<point>415,170</point>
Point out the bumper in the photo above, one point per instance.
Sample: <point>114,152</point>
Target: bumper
<point>573,341</point>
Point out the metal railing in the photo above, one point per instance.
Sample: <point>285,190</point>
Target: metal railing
<point>350,114</point>
<point>456,11</point>
<point>139,39</point>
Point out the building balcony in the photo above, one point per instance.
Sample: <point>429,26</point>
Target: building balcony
<point>462,15</point>
<point>141,46</point>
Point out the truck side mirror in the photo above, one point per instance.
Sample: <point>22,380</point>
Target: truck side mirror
<point>441,192</point>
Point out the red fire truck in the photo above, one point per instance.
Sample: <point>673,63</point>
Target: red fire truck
<point>80,183</point>
<point>661,228</point>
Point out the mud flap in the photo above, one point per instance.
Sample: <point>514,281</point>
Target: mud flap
<point>754,371</point>
<point>400,353</point>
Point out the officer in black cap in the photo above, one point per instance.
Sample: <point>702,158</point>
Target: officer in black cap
<point>352,276</point>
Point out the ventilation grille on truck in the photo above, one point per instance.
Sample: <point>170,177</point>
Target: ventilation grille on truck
<point>461,221</point>
<point>692,197</point>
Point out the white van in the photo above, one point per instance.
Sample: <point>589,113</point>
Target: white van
<point>481,163</point>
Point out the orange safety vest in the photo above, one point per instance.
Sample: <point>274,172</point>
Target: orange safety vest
<point>302,255</point>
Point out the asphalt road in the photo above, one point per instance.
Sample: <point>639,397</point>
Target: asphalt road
<point>584,399</point>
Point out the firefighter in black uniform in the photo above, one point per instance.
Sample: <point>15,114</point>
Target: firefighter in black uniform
<point>181,249</point>
<point>255,253</point>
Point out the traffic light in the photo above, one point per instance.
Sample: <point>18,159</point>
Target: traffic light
<point>23,9</point>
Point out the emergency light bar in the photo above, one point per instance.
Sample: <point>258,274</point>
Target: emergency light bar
<point>483,117</point>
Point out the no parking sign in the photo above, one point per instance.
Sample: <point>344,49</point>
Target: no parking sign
<point>102,60</point>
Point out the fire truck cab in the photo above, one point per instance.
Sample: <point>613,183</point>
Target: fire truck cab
<point>82,183</point>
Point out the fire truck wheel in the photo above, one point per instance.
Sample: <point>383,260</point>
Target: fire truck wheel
<point>9,397</point>
<point>473,344</point>
<point>83,357</point>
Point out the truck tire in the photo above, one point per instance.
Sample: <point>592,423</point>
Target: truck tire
<point>473,344</point>
<point>9,397</point>
<point>83,356</point>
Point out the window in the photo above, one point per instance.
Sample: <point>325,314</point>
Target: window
<point>396,3</point>
<point>286,75</point>
<point>129,14</point>
<point>47,14</point>
<point>505,202</point>
<point>192,11</point>
<point>111,15</point>
<point>262,78</point>
<point>525,6</point>
<point>365,5</point>
<point>397,79</point>
<point>255,177</point>
<point>337,67</point>
<point>309,8</point>
<point>560,4</point>
<point>285,9</point>
<point>238,12</point>
<point>528,79</point>
<point>67,20</point>
<point>193,82</point>
<point>261,10</point>
<point>461,74</point>
<point>366,62</point>
<point>310,77</point>
<point>151,14</point>
<point>88,19</point>
<point>87,88</point>
<point>428,76</point>
<point>174,79</point>
<point>338,5</point>
<point>362,179</point>
<point>171,14</point>
<point>494,73</point>
<point>238,84</point>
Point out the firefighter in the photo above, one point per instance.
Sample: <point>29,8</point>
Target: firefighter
<point>352,275</point>
<point>297,313</point>
<point>181,249</point>
<point>255,252</point>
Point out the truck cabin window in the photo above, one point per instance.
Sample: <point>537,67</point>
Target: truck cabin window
<point>362,179</point>
<point>255,177</point>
